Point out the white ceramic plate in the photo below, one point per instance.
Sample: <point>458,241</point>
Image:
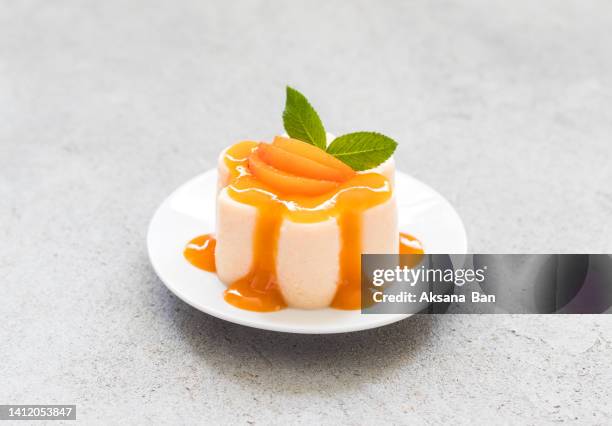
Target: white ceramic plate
<point>190,211</point>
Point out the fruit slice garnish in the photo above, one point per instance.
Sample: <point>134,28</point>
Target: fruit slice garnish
<point>313,153</point>
<point>287,183</point>
<point>298,165</point>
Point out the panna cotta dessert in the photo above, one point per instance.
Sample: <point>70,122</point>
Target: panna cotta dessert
<point>293,221</point>
<point>294,215</point>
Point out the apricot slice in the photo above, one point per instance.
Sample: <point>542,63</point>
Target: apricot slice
<point>298,165</point>
<point>313,153</point>
<point>286,183</point>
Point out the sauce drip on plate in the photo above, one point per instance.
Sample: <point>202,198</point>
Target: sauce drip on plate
<point>410,245</point>
<point>200,252</point>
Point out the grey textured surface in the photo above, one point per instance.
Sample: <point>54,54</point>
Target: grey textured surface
<point>105,107</point>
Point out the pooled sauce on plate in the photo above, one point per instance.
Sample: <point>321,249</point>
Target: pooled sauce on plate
<point>345,203</point>
<point>410,245</point>
<point>200,252</point>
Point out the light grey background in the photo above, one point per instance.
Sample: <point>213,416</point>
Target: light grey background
<point>504,107</point>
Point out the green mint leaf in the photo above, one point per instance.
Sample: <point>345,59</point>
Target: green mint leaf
<point>362,150</point>
<point>301,121</point>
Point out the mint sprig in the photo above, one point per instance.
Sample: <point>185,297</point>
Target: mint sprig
<point>301,121</point>
<point>360,150</point>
